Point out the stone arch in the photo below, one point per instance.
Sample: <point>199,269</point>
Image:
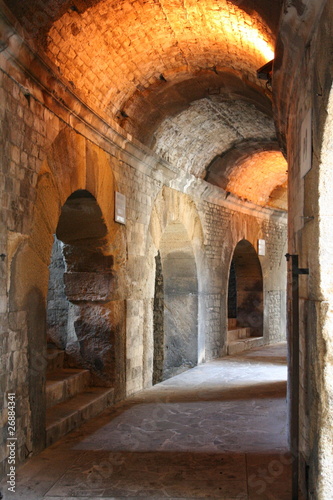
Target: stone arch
<point>88,281</point>
<point>245,290</point>
<point>73,164</point>
<point>76,256</point>
<point>177,239</point>
<point>177,342</point>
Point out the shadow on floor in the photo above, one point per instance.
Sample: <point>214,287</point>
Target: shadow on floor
<point>218,431</point>
<point>259,390</point>
<point>176,475</point>
<point>274,360</point>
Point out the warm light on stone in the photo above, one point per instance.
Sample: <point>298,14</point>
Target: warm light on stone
<point>257,176</point>
<point>252,36</point>
<point>111,49</point>
<point>160,101</point>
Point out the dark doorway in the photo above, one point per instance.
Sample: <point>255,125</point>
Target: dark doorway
<point>245,291</point>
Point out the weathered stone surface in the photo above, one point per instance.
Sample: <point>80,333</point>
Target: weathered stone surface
<point>88,287</point>
<point>180,331</point>
<point>215,125</point>
<point>158,322</point>
<point>57,303</point>
<point>99,344</point>
<point>305,47</point>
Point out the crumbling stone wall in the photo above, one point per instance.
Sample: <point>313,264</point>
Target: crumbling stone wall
<point>90,283</point>
<point>57,302</point>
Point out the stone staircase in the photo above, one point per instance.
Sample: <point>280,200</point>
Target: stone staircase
<point>239,339</point>
<point>70,399</point>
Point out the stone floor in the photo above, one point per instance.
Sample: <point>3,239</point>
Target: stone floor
<point>216,431</point>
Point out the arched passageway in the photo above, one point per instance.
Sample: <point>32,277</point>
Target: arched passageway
<point>175,305</point>
<point>245,299</point>
<point>81,343</point>
<point>81,280</point>
<point>191,95</point>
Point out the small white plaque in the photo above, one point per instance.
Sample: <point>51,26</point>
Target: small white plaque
<point>120,208</point>
<point>306,143</point>
<point>261,247</point>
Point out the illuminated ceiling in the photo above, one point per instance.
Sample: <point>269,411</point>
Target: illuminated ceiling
<point>257,177</point>
<point>179,75</point>
<point>131,44</point>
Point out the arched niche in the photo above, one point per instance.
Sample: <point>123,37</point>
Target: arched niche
<point>82,229</point>
<point>81,281</point>
<point>245,289</point>
<point>173,214</point>
<point>73,165</point>
<point>175,305</point>
<point>79,236</point>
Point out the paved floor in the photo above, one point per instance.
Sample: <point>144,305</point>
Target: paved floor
<point>216,431</point>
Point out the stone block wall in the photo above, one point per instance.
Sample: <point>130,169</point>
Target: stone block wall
<point>22,142</point>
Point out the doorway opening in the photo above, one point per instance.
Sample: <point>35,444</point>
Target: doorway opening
<point>79,273</point>
<point>81,372</point>
<point>175,305</point>
<point>245,299</point>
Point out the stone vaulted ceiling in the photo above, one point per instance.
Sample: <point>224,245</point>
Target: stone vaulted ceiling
<point>179,75</point>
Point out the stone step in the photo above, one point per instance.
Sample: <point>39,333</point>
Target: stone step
<point>70,414</point>
<point>232,323</point>
<point>65,384</point>
<point>240,345</point>
<point>55,359</point>
<point>238,333</point>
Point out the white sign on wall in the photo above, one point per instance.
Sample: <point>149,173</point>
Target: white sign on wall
<point>261,247</point>
<point>120,208</point>
<point>306,143</point>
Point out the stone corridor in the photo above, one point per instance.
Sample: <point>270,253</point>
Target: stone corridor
<point>216,431</point>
